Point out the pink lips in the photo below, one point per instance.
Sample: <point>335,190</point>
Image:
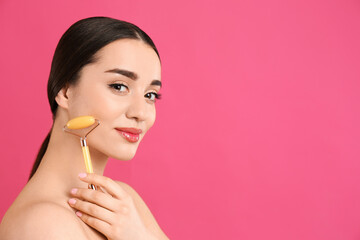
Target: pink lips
<point>130,134</point>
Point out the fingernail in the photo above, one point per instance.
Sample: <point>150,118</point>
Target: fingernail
<point>79,214</point>
<point>82,175</point>
<point>74,190</point>
<point>72,201</point>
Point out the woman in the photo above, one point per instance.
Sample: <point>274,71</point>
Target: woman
<point>111,70</point>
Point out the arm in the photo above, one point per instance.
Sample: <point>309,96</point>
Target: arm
<point>113,210</point>
<point>145,213</point>
<point>43,221</point>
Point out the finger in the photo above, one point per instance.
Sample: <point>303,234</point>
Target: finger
<point>101,199</point>
<point>103,190</point>
<point>110,186</point>
<point>92,210</point>
<point>95,223</point>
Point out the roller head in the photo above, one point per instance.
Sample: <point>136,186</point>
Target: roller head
<point>80,122</point>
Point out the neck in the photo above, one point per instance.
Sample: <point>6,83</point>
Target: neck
<point>63,161</point>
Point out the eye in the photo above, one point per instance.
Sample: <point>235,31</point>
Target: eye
<point>153,95</point>
<point>118,87</point>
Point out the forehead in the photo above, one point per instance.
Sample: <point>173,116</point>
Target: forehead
<point>132,55</point>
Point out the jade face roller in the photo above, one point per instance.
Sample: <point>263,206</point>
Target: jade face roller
<point>81,123</point>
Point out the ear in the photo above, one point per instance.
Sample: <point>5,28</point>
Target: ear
<point>62,97</point>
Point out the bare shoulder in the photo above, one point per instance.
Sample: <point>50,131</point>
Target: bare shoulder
<point>144,211</point>
<point>42,220</point>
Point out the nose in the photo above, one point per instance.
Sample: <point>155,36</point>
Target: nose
<point>137,108</point>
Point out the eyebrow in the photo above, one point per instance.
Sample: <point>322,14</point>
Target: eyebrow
<point>131,75</point>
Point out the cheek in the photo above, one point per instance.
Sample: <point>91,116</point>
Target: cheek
<point>151,119</point>
<point>102,106</point>
<point>78,107</point>
<point>86,101</point>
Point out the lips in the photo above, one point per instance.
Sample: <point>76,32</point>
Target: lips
<point>130,134</point>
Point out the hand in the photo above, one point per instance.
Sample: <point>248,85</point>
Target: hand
<point>112,212</point>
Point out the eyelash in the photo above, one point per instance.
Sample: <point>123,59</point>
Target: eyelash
<point>117,85</point>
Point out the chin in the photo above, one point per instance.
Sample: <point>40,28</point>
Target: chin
<point>122,156</point>
<point>124,153</point>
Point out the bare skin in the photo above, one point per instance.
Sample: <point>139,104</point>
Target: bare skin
<point>43,209</point>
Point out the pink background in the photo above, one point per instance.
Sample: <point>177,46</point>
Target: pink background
<point>257,134</point>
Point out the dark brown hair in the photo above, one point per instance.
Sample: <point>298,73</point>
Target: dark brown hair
<point>76,49</point>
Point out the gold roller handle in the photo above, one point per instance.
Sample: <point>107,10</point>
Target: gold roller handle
<point>81,123</point>
<point>87,159</point>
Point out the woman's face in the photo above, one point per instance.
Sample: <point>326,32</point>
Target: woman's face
<point>120,90</point>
